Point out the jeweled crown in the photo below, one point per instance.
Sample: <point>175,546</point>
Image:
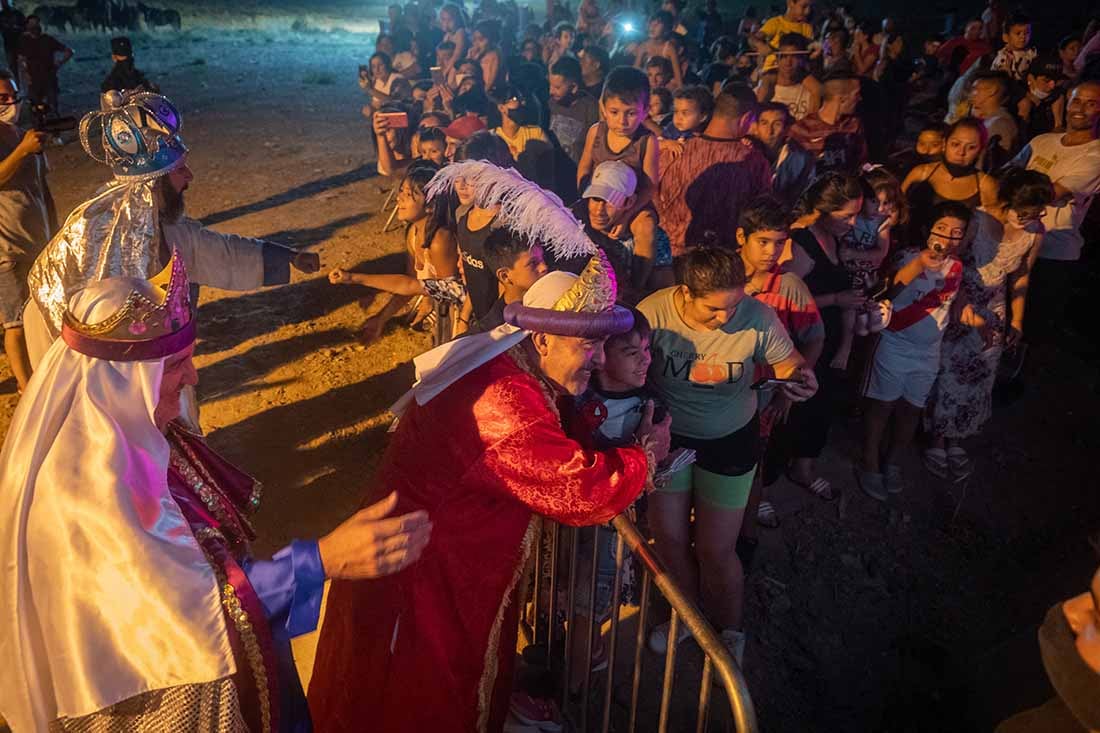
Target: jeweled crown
<point>154,321</point>
<point>137,135</point>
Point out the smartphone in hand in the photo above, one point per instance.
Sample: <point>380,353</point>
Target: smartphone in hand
<point>393,119</point>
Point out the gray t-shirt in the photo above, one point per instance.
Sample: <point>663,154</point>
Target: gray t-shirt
<point>704,376</point>
<point>24,215</point>
<point>570,124</point>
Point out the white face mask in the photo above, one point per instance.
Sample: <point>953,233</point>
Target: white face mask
<point>9,113</point>
<point>1039,94</point>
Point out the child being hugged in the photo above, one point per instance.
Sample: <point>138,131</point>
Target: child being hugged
<point>906,357</point>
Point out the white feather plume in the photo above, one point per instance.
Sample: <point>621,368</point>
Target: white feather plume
<point>525,208</point>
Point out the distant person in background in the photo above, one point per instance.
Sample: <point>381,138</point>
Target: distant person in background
<point>41,55</point>
<point>572,110</point>
<point>971,41</point>
<point>595,63</point>
<point>124,75</point>
<point>988,97</point>
<point>11,27</point>
<point>27,219</point>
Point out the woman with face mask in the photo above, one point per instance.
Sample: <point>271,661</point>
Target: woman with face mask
<point>987,319</point>
<point>954,176</point>
<point>27,220</point>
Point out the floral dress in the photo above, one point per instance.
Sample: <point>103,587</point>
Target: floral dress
<point>962,397</point>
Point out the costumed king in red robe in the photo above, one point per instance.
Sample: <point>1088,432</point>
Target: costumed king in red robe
<point>480,445</point>
<point>129,602</point>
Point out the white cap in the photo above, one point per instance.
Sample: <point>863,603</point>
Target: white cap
<point>613,181</point>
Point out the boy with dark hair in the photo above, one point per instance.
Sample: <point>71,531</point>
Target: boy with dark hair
<point>517,264</point>
<point>762,232</point>
<point>572,110</point>
<point>620,135</point>
<point>792,167</point>
<point>659,71</point>
<point>1016,55</point>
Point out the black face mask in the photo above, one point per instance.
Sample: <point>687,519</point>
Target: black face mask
<point>958,171</point>
<point>523,116</point>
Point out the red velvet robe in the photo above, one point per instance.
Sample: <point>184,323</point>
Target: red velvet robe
<point>431,648</point>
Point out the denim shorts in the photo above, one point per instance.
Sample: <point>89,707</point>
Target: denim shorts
<point>13,292</point>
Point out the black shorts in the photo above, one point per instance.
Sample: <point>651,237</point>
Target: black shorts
<point>731,455</point>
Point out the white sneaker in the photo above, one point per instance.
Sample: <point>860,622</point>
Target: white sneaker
<point>735,643</point>
<point>658,638</point>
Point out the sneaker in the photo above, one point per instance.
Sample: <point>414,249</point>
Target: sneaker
<point>535,712</point>
<point>658,638</point>
<point>893,480</point>
<point>734,641</point>
<point>871,484</point>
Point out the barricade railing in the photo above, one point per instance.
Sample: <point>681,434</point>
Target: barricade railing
<point>555,576</point>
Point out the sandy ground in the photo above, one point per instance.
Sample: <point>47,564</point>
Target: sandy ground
<point>915,616</point>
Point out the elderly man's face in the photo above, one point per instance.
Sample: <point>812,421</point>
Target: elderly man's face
<point>179,371</point>
<point>568,361</point>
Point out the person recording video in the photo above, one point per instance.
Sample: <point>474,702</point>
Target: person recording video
<point>27,220</point>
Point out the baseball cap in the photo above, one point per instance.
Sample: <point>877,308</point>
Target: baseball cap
<point>613,181</point>
<point>463,127</point>
<point>1048,66</point>
<point>120,46</point>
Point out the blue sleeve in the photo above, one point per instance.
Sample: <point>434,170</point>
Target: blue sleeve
<point>290,586</point>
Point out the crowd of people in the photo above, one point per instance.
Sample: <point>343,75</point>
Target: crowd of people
<point>661,257</point>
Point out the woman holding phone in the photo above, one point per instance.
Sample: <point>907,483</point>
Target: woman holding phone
<point>707,340</point>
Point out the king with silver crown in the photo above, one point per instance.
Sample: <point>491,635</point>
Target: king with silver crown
<point>129,601</point>
<point>133,223</point>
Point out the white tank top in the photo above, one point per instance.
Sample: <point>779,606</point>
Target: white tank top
<point>795,97</point>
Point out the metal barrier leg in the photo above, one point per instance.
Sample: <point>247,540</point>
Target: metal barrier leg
<point>639,645</point>
<point>704,697</point>
<point>613,637</point>
<point>670,670</point>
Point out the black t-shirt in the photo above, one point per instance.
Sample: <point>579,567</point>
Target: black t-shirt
<point>39,51</point>
<point>481,283</point>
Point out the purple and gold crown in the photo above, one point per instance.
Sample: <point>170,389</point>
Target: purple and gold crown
<point>155,321</point>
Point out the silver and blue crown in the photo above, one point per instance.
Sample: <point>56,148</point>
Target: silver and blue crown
<point>137,135</point>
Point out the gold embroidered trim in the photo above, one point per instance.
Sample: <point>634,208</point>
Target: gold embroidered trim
<point>241,622</point>
<point>492,649</point>
<point>212,495</point>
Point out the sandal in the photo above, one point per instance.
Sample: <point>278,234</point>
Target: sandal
<point>935,460</point>
<point>766,515</point>
<point>959,463</point>
<point>819,487</point>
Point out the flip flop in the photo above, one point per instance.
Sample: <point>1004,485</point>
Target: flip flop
<point>960,464</point>
<point>819,487</point>
<point>766,515</point>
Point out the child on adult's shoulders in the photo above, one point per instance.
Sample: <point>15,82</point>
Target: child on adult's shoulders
<point>691,110</point>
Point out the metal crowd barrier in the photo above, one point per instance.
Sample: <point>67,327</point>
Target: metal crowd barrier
<point>556,570</point>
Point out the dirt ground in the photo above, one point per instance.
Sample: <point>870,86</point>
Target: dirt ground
<point>918,615</point>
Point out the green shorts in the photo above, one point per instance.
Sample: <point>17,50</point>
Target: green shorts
<point>726,492</point>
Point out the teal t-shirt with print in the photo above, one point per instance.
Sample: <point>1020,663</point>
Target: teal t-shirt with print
<point>704,376</point>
